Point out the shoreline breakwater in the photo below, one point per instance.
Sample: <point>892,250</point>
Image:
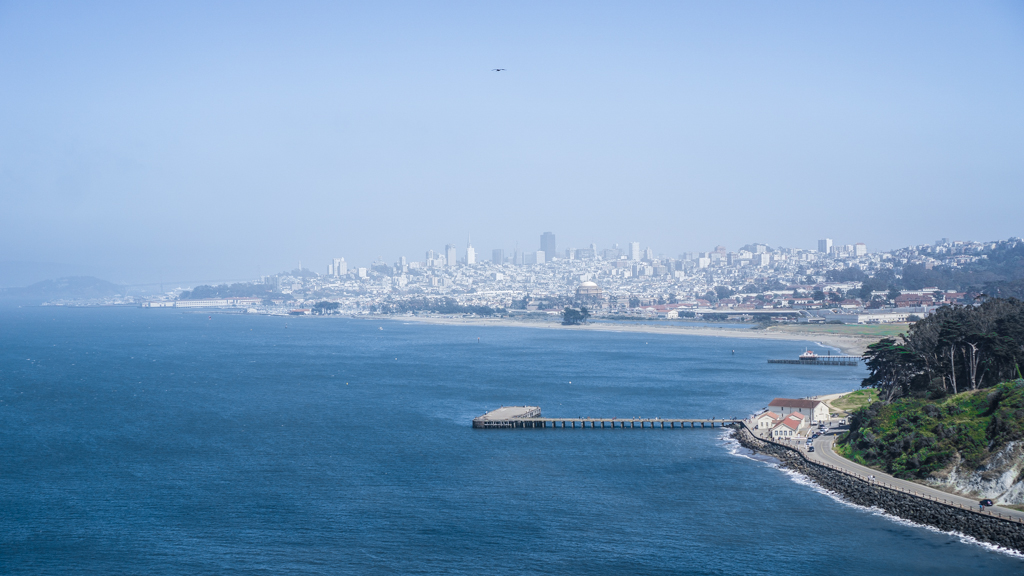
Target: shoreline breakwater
<point>987,528</point>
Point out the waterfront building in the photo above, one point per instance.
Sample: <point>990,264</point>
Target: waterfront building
<point>766,420</point>
<point>789,426</point>
<point>816,410</point>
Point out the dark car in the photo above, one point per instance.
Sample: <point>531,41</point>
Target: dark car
<point>986,502</point>
<point>810,448</point>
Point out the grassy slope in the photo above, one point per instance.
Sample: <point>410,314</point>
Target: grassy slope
<point>855,400</point>
<point>911,438</point>
<point>867,330</point>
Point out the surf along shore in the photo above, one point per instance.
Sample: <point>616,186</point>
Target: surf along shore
<point>853,341</point>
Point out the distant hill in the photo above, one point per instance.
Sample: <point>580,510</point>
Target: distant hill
<point>69,288</point>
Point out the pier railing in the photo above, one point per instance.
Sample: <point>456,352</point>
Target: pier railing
<point>603,422</point>
<point>822,361</point>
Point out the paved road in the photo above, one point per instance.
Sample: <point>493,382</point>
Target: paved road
<point>823,453</point>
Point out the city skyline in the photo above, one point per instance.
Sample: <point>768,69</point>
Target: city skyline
<point>276,135</point>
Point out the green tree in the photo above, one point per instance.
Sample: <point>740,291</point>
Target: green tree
<point>892,367</point>
<point>572,317</point>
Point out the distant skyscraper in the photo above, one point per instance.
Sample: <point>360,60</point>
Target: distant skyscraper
<point>449,254</point>
<point>339,267</point>
<point>860,249</point>
<point>470,254</point>
<point>634,250</point>
<point>648,253</point>
<point>547,244</point>
<point>825,246</point>
<point>498,256</point>
<point>541,257</point>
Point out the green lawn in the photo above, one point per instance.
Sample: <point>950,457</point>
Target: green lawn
<point>855,400</point>
<point>866,330</point>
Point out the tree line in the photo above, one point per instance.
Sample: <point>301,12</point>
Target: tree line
<point>443,305</point>
<point>955,349</point>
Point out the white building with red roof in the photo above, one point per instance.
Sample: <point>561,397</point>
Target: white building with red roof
<point>766,420</point>
<point>814,410</point>
<point>789,427</point>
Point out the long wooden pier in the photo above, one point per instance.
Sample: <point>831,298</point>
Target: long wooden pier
<point>823,361</point>
<point>529,417</point>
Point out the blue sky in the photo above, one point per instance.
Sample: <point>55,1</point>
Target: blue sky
<point>146,142</point>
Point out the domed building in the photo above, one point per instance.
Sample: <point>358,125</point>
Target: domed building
<point>588,291</point>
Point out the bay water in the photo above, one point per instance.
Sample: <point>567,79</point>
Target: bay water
<point>138,441</point>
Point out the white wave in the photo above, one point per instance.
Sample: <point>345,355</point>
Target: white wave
<point>804,480</point>
<point>829,347</point>
<point>737,449</point>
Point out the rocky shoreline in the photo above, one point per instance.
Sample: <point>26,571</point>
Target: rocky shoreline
<point>1003,533</point>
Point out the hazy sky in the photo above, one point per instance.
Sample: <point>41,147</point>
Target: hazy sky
<point>146,141</point>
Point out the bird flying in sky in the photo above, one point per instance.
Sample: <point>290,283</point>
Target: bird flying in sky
<point>497,69</point>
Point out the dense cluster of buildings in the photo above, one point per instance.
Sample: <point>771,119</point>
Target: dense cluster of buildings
<point>755,281</point>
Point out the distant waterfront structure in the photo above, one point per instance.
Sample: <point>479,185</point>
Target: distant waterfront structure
<point>634,250</point>
<point>860,249</point>
<point>825,245</point>
<point>498,256</point>
<point>450,255</point>
<point>547,244</point>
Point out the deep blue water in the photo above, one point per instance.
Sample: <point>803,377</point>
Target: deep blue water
<point>155,442</point>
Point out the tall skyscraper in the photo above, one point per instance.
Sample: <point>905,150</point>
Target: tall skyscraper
<point>449,254</point>
<point>498,256</point>
<point>547,244</point>
<point>470,254</point>
<point>634,250</point>
<point>339,267</point>
<point>825,246</point>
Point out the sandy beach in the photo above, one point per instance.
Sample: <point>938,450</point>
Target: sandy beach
<point>848,344</point>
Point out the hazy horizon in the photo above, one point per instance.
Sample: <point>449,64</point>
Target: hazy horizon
<point>195,142</point>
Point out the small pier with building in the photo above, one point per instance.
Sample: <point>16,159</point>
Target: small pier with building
<point>811,359</point>
<point>530,417</point>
